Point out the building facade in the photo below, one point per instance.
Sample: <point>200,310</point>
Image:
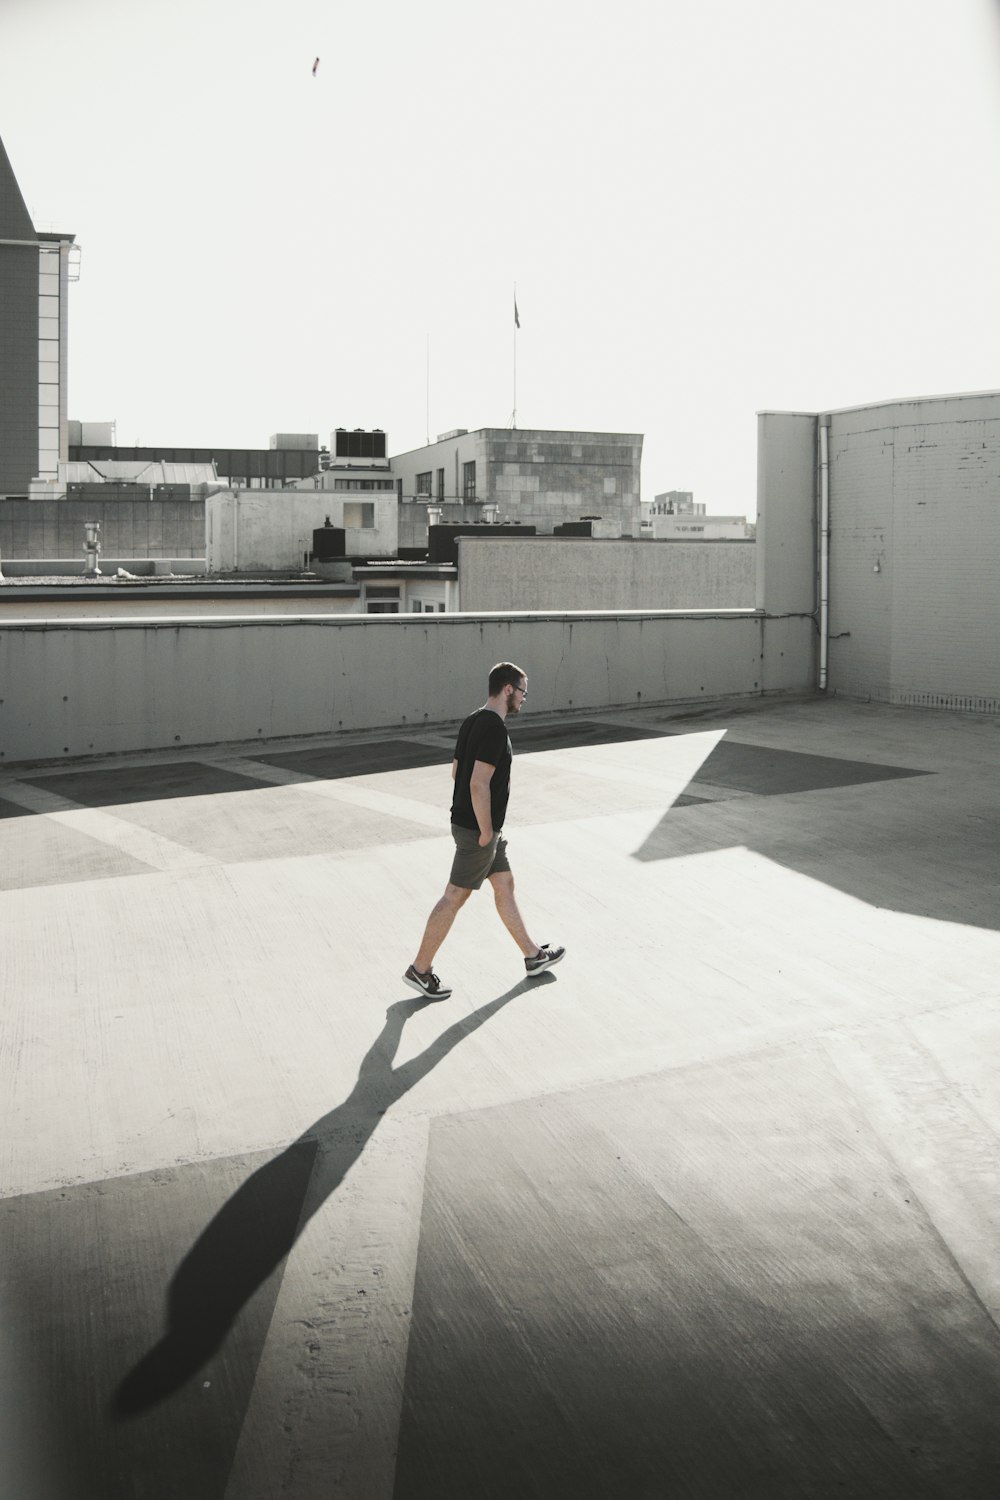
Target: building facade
<point>699,528</point>
<point>34,280</point>
<point>290,457</point>
<point>531,476</point>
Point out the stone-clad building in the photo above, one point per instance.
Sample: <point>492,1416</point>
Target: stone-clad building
<point>526,475</point>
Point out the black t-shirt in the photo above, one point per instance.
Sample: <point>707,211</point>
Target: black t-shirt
<point>483,736</point>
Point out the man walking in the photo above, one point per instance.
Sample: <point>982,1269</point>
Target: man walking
<point>481,773</point>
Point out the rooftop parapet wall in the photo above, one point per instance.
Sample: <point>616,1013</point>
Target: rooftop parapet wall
<point>914,491</point>
<point>79,688</point>
<point>557,573</point>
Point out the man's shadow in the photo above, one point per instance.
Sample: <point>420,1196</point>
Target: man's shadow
<point>254,1231</point>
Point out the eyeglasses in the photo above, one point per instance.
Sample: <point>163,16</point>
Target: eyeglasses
<point>521,690</point>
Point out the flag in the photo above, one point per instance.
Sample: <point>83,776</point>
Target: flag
<point>517,320</point>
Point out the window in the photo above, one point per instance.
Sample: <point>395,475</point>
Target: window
<point>380,600</point>
<point>359,515</point>
<point>469,481</point>
<point>440,490</point>
<point>424,484</point>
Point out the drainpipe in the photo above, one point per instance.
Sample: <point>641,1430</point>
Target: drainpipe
<point>824,548</point>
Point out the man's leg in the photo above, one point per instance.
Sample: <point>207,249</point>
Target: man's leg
<point>507,910</point>
<point>439,925</point>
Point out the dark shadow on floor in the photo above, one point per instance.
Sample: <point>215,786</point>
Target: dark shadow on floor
<point>251,1235</point>
<point>902,860</point>
<point>709,1283</point>
<point>158,781</point>
<point>10,810</point>
<point>763,771</point>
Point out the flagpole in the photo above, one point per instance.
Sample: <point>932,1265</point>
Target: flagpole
<point>513,419</point>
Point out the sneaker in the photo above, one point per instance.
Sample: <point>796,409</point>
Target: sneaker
<point>543,959</point>
<point>428,984</point>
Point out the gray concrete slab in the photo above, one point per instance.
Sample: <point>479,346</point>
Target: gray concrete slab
<point>709,1211</point>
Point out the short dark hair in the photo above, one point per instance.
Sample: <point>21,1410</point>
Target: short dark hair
<point>503,673</point>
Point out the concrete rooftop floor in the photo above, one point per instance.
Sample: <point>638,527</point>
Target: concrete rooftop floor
<point>708,1211</point>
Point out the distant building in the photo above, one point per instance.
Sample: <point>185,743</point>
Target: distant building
<point>400,587</point>
<point>676,503</point>
<point>529,475</point>
<point>247,531</point>
<point>291,456</point>
<point>675,516</point>
<point>34,276</point>
<point>354,464</point>
<point>699,528</point>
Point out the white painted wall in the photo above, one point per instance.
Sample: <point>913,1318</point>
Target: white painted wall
<point>786,511</point>
<point>914,544</point>
<point>261,529</point>
<point>77,688</point>
<point>915,487</point>
<point>448,455</point>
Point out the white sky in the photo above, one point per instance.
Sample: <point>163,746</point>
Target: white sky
<point>710,207</point>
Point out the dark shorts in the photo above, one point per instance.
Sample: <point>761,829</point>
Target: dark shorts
<point>473,862</point>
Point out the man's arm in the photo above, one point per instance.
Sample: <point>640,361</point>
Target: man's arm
<point>454,769</point>
<point>479,788</point>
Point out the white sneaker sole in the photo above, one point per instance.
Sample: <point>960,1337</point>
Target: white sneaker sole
<point>441,994</point>
<point>533,973</point>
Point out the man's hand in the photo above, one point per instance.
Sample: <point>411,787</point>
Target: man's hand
<point>484,839</point>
